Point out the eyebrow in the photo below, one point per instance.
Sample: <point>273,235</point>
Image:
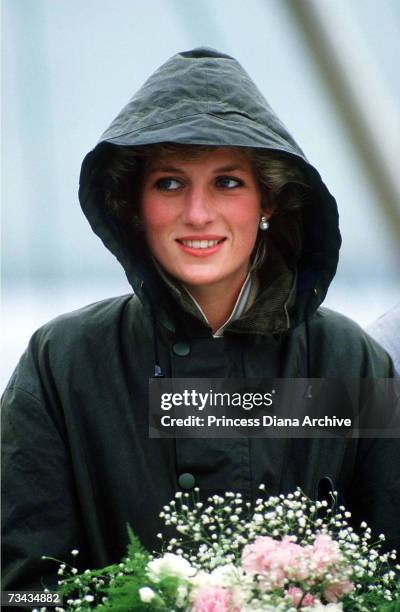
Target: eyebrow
<point>172,169</point>
<point>164,169</point>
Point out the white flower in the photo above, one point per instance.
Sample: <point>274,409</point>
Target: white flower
<point>181,594</point>
<point>200,579</point>
<point>225,575</point>
<point>146,594</point>
<point>169,565</point>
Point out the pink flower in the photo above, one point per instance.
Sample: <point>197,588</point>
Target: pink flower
<point>334,592</point>
<point>325,552</point>
<point>297,594</point>
<point>256,557</point>
<point>275,560</point>
<point>213,599</point>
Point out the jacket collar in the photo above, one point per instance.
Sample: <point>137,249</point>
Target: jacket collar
<point>266,311</point>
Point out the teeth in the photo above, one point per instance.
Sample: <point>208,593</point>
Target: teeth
<point>199,244</point>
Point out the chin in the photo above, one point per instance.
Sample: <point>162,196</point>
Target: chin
<point>197,278</point>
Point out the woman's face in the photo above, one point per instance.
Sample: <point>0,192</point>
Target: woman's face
<point>201,216</point>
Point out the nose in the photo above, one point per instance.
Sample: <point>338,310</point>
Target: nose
<point>199,209</point>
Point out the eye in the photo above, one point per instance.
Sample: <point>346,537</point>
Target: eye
<point>228,182</point>
<point>168,184</point>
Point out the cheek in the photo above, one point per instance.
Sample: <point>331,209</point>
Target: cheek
<point>156,216</point>
<point>246,219</point>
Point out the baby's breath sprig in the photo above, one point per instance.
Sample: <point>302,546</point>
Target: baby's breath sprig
<point>284,552</point>
<point>214,534</point>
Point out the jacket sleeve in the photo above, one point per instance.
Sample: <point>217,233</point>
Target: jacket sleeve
<point>374,494</point>
<point>371,469</point>
<point>40,511</point>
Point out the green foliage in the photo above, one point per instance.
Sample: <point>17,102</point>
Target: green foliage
<point>135,548</point>
<point>119,582</point>
<point>123,591</point>
<point>123,595</point>
<point>213,537</point>
<point>374,601</point>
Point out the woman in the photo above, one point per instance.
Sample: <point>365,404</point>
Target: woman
<point>229,239</point>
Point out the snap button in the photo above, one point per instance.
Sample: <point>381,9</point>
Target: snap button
<point>181,348</point>
<point>186,481</point>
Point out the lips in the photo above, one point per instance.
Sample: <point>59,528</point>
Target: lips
<point>200,246</point>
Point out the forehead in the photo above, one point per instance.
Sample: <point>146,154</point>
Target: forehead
<point>218,157</point>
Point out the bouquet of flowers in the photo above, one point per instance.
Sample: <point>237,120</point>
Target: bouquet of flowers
<point>286,553</point>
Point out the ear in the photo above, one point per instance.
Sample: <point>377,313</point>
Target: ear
<point>266,208</point>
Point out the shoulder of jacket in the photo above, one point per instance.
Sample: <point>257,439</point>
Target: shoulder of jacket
<point>70,334</point>
<point>331,320</point>
<point>327,322</point>
<point>347,341</point>
<point>96,316</point>
<point>95,327</point>
<point>70,339</point>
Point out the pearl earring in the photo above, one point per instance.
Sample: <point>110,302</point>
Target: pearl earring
<point>264,223</point>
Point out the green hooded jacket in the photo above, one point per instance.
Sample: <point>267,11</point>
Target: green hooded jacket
<point>78,464</point>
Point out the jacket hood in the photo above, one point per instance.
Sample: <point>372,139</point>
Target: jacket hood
<point>205,97</point>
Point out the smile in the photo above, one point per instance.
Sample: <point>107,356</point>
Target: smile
<point>200,247</point>
<point>200,244</point>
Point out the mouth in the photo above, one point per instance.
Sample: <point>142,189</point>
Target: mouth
<point>200,246</point>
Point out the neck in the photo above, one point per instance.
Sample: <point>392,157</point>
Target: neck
<point>217,302</point>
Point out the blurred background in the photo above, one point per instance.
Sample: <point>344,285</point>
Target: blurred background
<point>329,68</point>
